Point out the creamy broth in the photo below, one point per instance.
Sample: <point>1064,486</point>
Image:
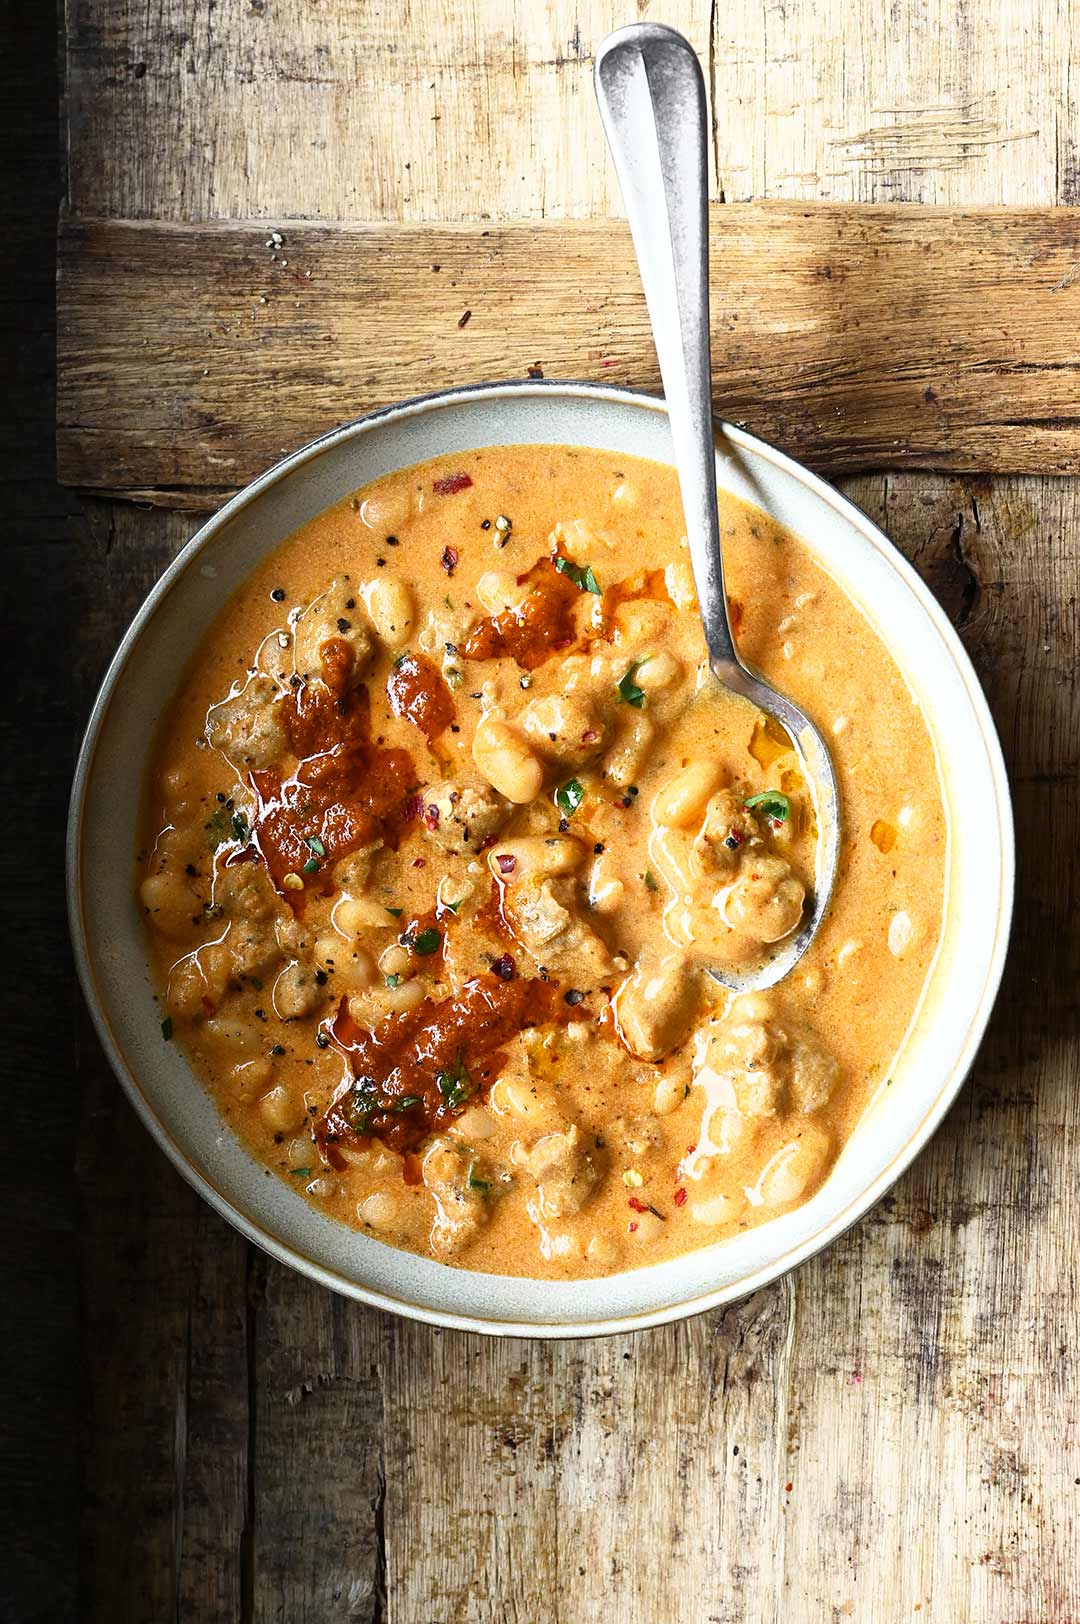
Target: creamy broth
<point>447,824</point>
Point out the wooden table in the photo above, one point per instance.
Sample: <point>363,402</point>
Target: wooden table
<point>892,1430</point>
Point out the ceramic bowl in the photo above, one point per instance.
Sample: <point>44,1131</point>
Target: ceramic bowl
<point>108,931</point>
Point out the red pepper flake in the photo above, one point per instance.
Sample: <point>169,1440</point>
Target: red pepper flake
<point>680,1197</point>
<point>418,862</point>
<point>506,862</point>
<point>449,558</point>
<point>450,484</point>
<point>638,1206</point>
<point>589,736</point>
<point>431,817</point>
<point>464,318</point>
<point>788,1487</point>
<point>413,809</point>
<point>503,967</point>
<point>690,1149</point>
<point>632,1227</point>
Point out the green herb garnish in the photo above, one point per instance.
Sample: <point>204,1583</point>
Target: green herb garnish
<point>311,866</point>
<point>629,692</point>
<point>455,1086</point>
<point>429,941</point>
<point>240,827</point>
<point>316,845</point>
<point>582,577</point>
<point>406,1102</point>
<point>393,981</point>
<point>218,828</point>
<point>395,913</point>
<point>483,1185</point>
<point>300,1172</point>
<point>650,880</point>
<point>772,805</point>
<point>166,1029</point>
<point>569,797</point>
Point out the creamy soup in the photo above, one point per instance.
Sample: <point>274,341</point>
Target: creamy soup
<point>448,825</point>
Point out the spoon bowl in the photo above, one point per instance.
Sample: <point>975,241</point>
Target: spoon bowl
<point>652,101</point>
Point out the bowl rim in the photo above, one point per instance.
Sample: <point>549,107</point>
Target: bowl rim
<point>253,1231</point>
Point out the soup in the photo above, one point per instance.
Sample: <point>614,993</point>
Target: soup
<point>448,825</point>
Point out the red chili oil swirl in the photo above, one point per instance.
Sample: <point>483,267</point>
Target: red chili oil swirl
<point>395,1094</point>
<point>417,692</point>
<point>343,793</point>
<point>541,625</point>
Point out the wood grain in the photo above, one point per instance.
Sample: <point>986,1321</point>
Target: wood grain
<point>193,356</point>
<point>915,1385</point>
<point>351,109</point>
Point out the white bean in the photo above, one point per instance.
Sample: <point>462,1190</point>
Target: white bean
<point>391,608</point>
<point>352,914</point>
<point>250,1076</point>
<point>386,510</point>
<point>788,1173</point>
<point>631,746</point>
<point>379,1210</point>
<point>535,854</point>
<point>681,802</point>
<point>499,590</point>
<point>715,1209</point>
<point>505,760</point>
<point>279,1110</point>
<point>658,671</point>
<point>170,902</point>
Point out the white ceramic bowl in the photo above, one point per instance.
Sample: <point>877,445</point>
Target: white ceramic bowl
<point>108,931</point>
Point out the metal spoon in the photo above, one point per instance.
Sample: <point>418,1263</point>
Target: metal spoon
<point>652,101</point>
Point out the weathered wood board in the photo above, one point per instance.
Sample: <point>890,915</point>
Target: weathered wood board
<point>856,336</point>
<point>891,1433</point>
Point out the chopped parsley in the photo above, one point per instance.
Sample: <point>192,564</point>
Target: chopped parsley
<point>395,913</point>
<point>569,797</point>
<point>474,1183</point>
<point>166,1029</point>
<point>429,941</point>
<point>311,866</point>
<point>771,804</point>
<point>240,827</point>
<point>650,880</point>
<point>629,692</point>
<point>393,981</point>
<point>455,1086</point>
<point>582,576</point>
<point>300,1172</point>
<point>316,845</point>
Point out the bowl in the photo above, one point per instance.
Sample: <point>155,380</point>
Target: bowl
<point>108,931</point>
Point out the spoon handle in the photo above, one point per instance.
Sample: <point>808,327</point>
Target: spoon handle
<point>652,101</point>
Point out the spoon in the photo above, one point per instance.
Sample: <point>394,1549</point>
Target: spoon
<point>652,101</point>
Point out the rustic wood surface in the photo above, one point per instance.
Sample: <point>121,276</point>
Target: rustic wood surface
<point>178,344</point>
<point>889,1433</point>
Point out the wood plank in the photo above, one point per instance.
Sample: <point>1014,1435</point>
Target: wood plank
<point>192,356</point>
<point>349,109</point>
<point>440,111</point>
<point>165,1432</point>
<point>316,1550</point>
<point>928,1358</point>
